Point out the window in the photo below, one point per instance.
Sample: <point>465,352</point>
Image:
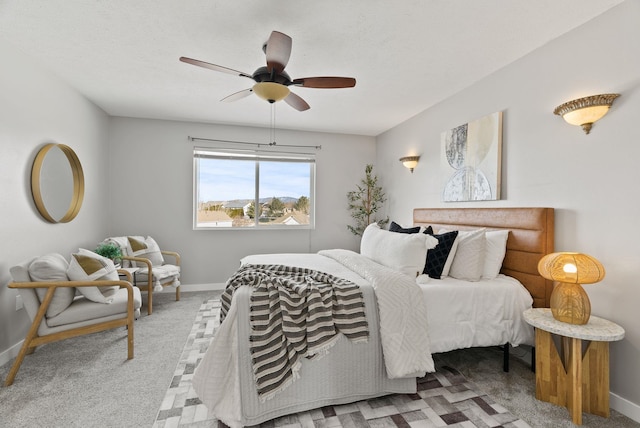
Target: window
<point>248,189</point>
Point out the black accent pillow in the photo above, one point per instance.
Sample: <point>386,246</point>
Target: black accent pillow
<point>395,227</point>
<point>437,256</point>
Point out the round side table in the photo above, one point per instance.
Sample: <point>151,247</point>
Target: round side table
<point>578,381</point>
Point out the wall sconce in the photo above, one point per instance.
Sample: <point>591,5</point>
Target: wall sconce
<point>569,302</point>
<point>586,111</point>
<point>410,162</point>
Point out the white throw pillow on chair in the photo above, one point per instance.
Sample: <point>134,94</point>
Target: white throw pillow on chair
<point>86,265</point>
<point>146,248</point>
<point>52,268</point>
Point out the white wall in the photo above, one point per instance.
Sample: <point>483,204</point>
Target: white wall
<point>151,175</point>
<point>591,180</point>
<point>37,108</point>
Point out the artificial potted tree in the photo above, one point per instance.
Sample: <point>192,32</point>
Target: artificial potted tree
<point>365,202</point>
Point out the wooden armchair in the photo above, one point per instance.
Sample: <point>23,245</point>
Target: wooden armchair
<point>82,316</point>
<point>144,259</point>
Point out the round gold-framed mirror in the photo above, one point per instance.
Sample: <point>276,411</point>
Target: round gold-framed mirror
<point>57,183</point>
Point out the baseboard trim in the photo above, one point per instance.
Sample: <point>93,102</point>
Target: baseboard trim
<point>624,406</point>
<point>10,353</point>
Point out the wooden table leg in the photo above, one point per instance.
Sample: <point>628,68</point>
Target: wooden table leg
<point>574,380</point>
<point>551,376</point>
<point>565,346</point>
<point>595,378</point>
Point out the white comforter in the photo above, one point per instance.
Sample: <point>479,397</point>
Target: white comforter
<point>463,314</point>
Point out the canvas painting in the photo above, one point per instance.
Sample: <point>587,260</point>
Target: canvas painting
<point>471,160</point>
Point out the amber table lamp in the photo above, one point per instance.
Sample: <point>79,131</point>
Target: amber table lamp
<point>569,302</point>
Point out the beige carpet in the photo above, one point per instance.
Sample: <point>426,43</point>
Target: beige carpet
<point>88,382</point>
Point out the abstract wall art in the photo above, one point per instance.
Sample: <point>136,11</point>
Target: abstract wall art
<point>471,160</point>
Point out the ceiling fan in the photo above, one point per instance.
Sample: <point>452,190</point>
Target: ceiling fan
<point>272,82</point>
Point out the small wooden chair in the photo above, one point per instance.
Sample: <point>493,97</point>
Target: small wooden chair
<point>153,273</point>
<point>81,317</point>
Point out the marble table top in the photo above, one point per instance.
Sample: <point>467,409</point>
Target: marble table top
<point>597,328</point>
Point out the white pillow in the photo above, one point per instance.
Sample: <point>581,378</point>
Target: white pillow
<point>403,252</point>
<point>468,262</point>
<point>52,267</point>
<point>86,265</point>
<point>495,251</point>
<point>146,248</point>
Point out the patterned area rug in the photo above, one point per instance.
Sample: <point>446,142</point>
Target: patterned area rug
<point>444,398</point>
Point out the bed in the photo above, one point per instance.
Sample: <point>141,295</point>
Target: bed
<point>225,380</point>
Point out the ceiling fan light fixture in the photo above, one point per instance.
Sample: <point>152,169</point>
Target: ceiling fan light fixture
<point>271,91</point>
<point>272,82</point>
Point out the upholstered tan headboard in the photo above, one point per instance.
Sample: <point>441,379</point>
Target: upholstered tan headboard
<point>530,238</point>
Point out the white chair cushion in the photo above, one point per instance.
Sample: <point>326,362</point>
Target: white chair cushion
<point>20,273</point>
<point>49,268</point>
<point>83,309</point>
<point>165,274</point>
<point>160,272</point>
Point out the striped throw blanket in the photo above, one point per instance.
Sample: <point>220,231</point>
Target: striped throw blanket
<point>295,313</point>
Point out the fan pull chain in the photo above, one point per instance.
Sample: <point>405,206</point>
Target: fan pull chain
<point>272,136</point>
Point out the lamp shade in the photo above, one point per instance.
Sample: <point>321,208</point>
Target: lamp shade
<point>585,115</point>
<point>573,268</point>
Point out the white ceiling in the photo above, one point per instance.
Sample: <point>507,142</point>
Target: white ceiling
<point>406,55</point>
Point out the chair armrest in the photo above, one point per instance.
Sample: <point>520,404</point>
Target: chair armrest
<point>140,260</point>
<point>56,284</point>
<point>173,254</point>
<point>149,268</point>
<point>126,273</point>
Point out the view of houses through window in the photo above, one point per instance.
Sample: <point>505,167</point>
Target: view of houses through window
<point>251,189</point>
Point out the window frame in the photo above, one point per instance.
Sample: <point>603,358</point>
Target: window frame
<point>257,156</point>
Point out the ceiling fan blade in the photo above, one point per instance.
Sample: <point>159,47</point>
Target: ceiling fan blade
<point>214,67</point>
<point>278,51</point>
<point>325,82</point>
<point>296,102</point>
<point>237,95</point>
